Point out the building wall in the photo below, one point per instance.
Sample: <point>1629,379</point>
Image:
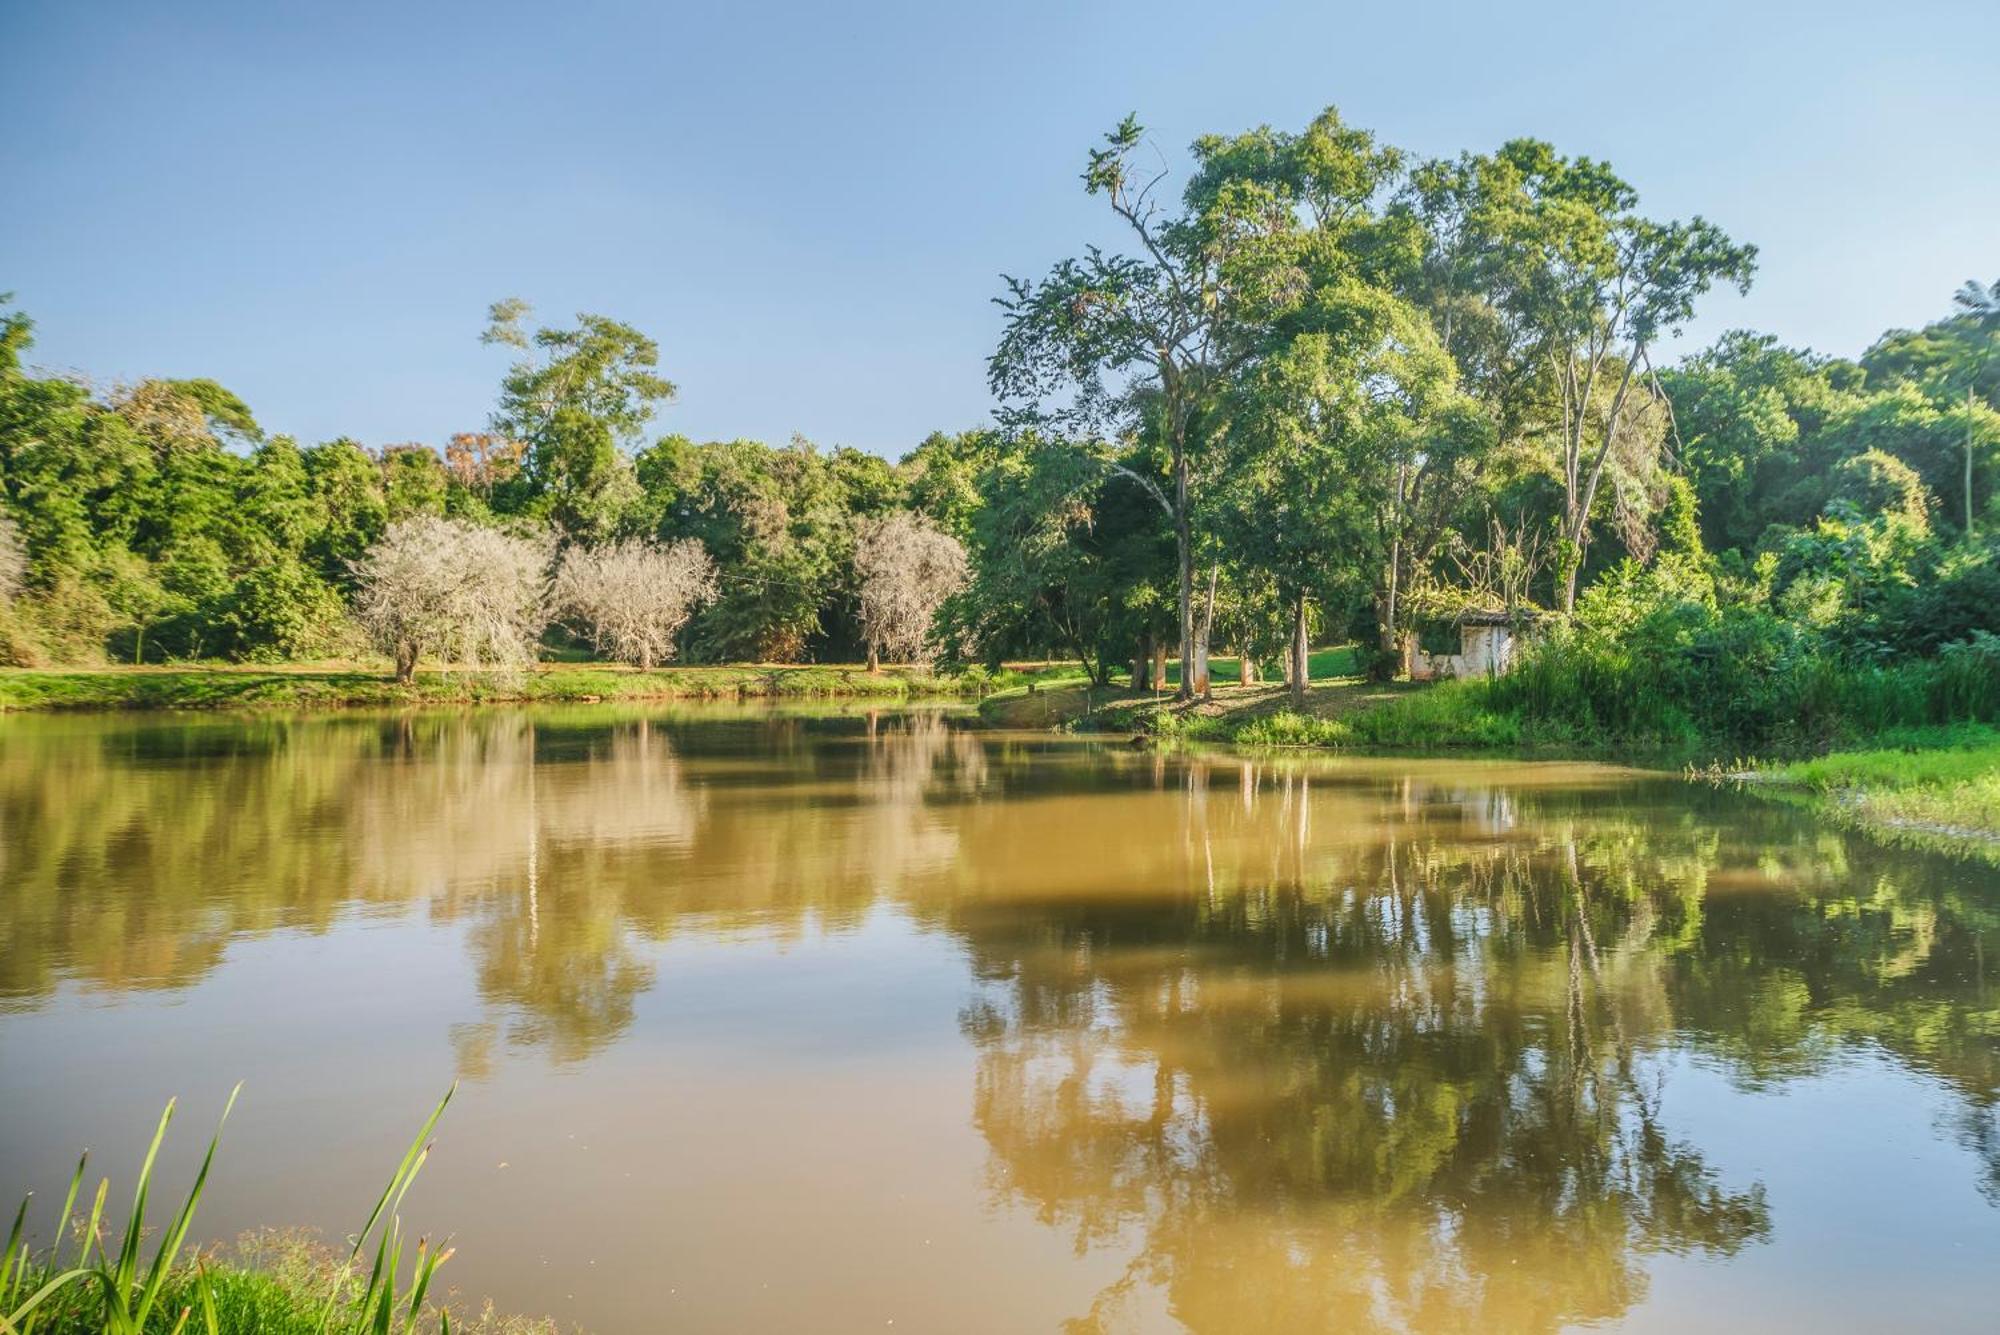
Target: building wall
<point>1483,651</point>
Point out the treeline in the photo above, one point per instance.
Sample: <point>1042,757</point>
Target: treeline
<point>158,521</point>
<point>1322,391</point>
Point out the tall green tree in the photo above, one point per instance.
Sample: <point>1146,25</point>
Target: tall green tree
<point>1979,306</point>
<point>576,399</point>
<point>1124,344</point>
<point>1594,288</point>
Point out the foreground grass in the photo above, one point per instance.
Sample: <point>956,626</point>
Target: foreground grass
<point>1940,781</point>
<point>343,685</point>
<point>271,1282</point>
<point>95,1276</point>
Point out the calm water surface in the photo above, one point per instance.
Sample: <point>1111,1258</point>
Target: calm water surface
<point>822,1023</point>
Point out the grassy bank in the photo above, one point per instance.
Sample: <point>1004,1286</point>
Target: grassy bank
<point>1581,694</point>
<point>1941,782</point>
<point>322,686</point>
<point>1932,783</point>
<point>1340,710</point>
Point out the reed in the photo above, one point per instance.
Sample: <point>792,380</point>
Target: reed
<point>127,1292</point>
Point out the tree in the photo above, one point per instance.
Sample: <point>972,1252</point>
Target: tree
<point>907,568</point>
<point>414,481</point>
<point>1979,304</point>
<point>450,589</point>
<point>1753,418</point>
<point>773,519</point>
<point>1594,287</point>
<point>1067,555</point>
<point>575,401</point>
<point>1323,429</point>
<point>1132,343</point>
<point>347,490</point>
<point>479,461</point>
<point>633,597</point>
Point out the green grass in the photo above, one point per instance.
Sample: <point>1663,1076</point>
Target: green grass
<point>342,686</point>
<point>1323,665</point>
<point>1448,715</point>
<point>1942,780</point>
<point>1340,711</point>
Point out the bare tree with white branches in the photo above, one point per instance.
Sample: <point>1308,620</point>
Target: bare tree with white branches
<point>452,590</point>
<point>633,597</point>
<point>908,568</point>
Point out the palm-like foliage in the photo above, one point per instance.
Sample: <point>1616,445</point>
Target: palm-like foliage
<point>1980,304</point>
<point>1981,301</point>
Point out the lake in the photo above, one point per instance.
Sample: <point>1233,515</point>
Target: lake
<point>832,1020</point>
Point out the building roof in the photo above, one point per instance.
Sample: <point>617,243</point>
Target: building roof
<point>1480,616</point>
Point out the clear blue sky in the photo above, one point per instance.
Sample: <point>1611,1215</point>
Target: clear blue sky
<point>808,204</point>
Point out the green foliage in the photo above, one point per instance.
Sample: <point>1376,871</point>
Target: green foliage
<point>574,399</point>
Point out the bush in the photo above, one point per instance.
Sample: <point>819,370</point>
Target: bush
<point>278,611</point>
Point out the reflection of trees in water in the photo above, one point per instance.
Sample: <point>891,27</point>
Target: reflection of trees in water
<point>130,854</point>
<point>1398,1069</point>
<point>1384,1112</point>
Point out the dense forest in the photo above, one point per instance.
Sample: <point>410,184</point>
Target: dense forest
<point>1316,391</point>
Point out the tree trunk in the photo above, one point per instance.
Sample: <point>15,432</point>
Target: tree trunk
<point>1301,651</point>
<point>1391,609</point>
<point>406,660</point>
<point>874,658</point>
<point>1203,628</point>
<point>1141,663</point>
<point>1159,681</point>
<point>1572,567</point>
<point>1968,463</point>
<point>1393,585</point>
<point>645,658</point>
<point>1184,551</point>
<point>1246,667</point>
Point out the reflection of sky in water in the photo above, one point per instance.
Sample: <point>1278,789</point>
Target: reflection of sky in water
<point>826,1022</point>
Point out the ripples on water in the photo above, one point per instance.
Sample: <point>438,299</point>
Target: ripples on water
<point>822,1021</point>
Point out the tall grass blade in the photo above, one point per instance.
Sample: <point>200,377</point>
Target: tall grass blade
<point>69,1204</point>
<point>90,1232</point>
<point>15,1252</point>
<point>177,1232</point>
<point>379,1296</point>
<point>204,1286</point>
<point>127,1272</point>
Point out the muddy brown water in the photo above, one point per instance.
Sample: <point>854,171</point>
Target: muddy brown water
<point>827,1021</point>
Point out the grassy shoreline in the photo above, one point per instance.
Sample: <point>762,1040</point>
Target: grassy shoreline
<point>340,686</point>
<point>1936,785</point>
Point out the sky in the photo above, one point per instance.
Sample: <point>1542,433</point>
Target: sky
<point>809,205</point>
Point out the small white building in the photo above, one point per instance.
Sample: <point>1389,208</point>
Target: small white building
<point>1488,643</point>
